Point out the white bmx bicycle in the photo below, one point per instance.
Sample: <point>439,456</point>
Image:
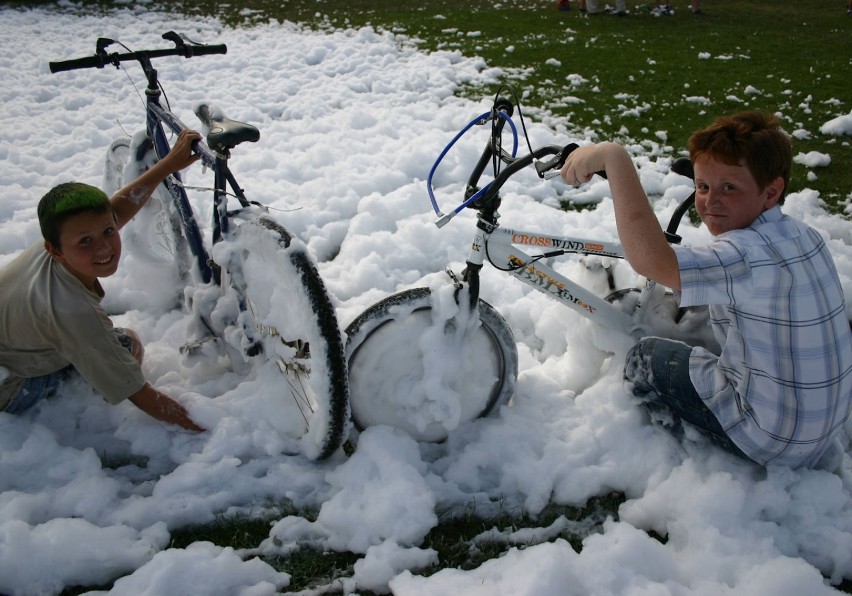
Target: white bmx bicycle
<point>408,349</point>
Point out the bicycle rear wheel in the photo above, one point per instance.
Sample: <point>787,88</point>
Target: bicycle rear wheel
<point>275,314</point>
<point>411,368</point>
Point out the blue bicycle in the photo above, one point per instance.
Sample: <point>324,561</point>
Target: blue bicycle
<point>254,292</point>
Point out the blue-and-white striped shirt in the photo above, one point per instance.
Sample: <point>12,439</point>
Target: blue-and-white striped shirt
<point>783,382</point>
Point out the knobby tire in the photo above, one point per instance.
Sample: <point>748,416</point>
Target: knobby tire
<point>388,322</point>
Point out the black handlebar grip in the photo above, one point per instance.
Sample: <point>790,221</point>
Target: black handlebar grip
<point>77,63</point>
<point>206,50</point>
<point>563,155</point>
<point>683,166</point>
<point>566,151</point>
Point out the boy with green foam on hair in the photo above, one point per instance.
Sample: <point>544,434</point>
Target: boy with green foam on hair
<point>51,320</point>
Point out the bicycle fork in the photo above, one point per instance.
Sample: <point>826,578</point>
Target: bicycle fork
<point>473,264</point>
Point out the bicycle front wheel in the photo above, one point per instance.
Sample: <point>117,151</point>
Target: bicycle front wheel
<point>154,238</point>
<point>280,321</point>
<point>411,368</point>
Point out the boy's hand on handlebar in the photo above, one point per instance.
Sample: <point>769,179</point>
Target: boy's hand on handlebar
<point>181,156</point>
<point>127,201</point>
<point>583,163</point>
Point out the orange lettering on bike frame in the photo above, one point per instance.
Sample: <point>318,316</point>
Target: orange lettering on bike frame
<point>531,240</point>
<point>527,272</point>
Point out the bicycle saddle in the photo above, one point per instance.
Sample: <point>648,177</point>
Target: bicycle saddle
<point>223,134</point>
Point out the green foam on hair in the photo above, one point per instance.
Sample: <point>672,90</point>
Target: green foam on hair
<point>83,197</point>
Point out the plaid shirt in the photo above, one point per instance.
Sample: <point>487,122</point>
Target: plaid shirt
<point>783,382</point>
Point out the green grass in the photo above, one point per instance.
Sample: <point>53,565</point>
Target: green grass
<point>646,79</point>
<point>642,75</point>
<point>457,539</point>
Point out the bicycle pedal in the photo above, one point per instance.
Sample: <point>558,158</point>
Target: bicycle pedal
<point>627,299</point>
<point>292,366</point>
<point>255,349</point>
<point>206,347</point>
<point>303,348</point>
<point>597,267</point>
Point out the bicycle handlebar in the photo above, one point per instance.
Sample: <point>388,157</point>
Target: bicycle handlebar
<point>487,197</point>
<point>183,47</point>
<point>478,197</point>
<point>514,165</point>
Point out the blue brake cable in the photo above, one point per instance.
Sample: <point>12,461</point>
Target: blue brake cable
<point>479,120</point>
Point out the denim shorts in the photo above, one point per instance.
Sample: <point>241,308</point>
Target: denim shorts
<point>658,370</point>
<point>36,389</point>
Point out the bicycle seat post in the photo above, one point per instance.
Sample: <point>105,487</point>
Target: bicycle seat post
<point>220,196</point>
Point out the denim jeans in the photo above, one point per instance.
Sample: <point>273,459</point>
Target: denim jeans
<point>36,389</point>
<point>658,370</point>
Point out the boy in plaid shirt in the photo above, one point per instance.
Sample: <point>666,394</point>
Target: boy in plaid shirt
<point>781,388</point>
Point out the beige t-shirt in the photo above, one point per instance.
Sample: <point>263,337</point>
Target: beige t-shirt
<point>48,320</point>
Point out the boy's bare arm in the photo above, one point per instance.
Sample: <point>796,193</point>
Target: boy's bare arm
<point>162,407</point>
<point>127,201</point>
<point>645,245</point>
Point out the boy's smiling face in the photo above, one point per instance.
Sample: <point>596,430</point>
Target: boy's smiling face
<point>90,246</point>
<point>728,198</point>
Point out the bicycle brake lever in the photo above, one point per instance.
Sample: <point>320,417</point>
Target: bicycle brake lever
<point>102,44</point>
<point>549,169</point>
<point>174,37</point>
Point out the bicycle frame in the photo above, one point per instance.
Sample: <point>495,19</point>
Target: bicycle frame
<point>502,246</point>
<point>157,116</point>
<point>301,342</point>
